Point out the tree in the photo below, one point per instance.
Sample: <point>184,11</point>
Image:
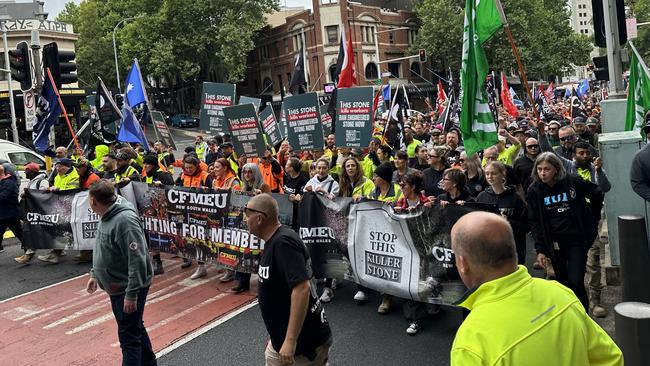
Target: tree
<point>541,31</point>
<point>640,9</point>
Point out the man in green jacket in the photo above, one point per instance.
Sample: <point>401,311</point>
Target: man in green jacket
<point>122,268</point>
<point>516,319</point>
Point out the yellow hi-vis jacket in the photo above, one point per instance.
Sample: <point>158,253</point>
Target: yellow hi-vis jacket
<point>521,320</point>
<point>69,180</point>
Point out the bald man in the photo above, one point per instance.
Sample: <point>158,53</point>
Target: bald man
<point>292,313</point>
<point>516,319</point>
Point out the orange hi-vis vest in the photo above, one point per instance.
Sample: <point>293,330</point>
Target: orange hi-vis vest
<point>194,181</point>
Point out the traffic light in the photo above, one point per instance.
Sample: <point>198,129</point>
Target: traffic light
<point>21,65</point>
<point>60,63</point>
<point>423,56</point>
<point>600,68</point>
<point>599,22</point>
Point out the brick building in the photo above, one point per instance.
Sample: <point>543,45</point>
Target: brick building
<point>271,63</point>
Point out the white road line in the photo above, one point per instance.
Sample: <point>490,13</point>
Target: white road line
<point>41,289</point>
<point>64,308</point>
<point>76,314</point>
<point>90,324</point>
<point>189,337</point>
<point>55,306</point>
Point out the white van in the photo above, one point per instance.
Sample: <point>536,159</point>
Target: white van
<point>19,156</point>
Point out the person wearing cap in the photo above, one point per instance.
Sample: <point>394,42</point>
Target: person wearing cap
<point>86,174</point>
<point>580,126</point>
<point>592,126</point>
<point>553,129</point>
<point>153,174</point>
<point>212,153</point>
<point>66,178</point>
<point>229,154</point>
<point>37,181</point>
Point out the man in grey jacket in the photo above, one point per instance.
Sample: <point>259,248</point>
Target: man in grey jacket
<point>122,268</point>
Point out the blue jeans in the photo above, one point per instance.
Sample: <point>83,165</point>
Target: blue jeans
<point>134,340</point>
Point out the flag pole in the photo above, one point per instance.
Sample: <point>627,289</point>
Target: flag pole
<point>522,72</point>
<point>65,114</point>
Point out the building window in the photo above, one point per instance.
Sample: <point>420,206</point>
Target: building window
<point>286,46</point>
<point>371,71</point>
<point>391,36</point>
<point>413,33</point>
<point>332,71</point>
<point>268,85</point>
<point>393,68</point>
<point>332,34</point>
<point>415,70</point>
<point>297,42</point>
<point>368,34</point>
<point>325,2</point>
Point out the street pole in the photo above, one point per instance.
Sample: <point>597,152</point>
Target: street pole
<point>117,67</point>
<point>377,46</point>
<point>614,62</point>
<point>12,108</point>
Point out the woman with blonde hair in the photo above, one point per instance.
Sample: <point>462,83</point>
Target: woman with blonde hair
<point>475,175</point>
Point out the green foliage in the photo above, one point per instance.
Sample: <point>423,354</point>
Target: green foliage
<point>177,41</point>
<point>640,9</point>
<point>540,29</point>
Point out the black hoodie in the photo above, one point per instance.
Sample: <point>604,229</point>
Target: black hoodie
<point>509,204</point>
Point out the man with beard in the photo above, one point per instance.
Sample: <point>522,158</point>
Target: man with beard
<point>580,126</point>
<point>124,172</point>
<point>420,134</point>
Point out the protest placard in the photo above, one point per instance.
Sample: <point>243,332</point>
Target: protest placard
<point>304,129</point>
<point>215,97</point>
<point>247,136</point>
<point>354,117</point>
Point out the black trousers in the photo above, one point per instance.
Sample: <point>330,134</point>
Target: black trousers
<point>134,340</point>
<point>570,264</point>
<point>13,225</point>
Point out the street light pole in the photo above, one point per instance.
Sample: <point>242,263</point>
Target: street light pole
<point>377,45</point>
<point>12,108</point>
<point>117,67</point>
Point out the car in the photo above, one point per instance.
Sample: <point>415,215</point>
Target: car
<point>19,156</point>
<point>183,120</point>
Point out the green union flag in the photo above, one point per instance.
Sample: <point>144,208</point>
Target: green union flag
<point>477,124</point>
<point>638,94</point>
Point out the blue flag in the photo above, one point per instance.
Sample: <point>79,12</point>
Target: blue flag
<point>583,88</point>
<point>130,130</point>
<point>135,92</point>
<point>47,113</point>
<point>386,93</point>
<point>567,93</point>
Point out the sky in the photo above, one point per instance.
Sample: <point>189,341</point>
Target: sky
<point>54,7</point>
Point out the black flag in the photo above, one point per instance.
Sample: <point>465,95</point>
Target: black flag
<point>298,84</point>
<point>543,109</point>
<point>106,115</point>
<point>577,108</point>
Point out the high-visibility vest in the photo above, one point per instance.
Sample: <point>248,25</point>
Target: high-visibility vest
<point>129,171</point>
<point>200,150</point>
<point>194,181</point>
<point>69,180</point>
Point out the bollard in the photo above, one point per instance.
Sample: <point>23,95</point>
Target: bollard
<point>635,259</point>
<point>632,332</point>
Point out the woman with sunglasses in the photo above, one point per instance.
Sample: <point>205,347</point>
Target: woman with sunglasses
<point>508,202</point>
<point>454,184</point>
<point>252,184</point>
<point>433,174</point>
<point>475,176</point>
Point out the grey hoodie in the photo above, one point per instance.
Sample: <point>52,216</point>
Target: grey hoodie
<point>121,262</point>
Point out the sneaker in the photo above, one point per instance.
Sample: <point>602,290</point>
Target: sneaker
<point>51,258</point>
<point>24,259</point>
<point>158,268</point>
<point>328,295</point>
<point>30,252</point>
<point>200,272</point>
<point>360,296</point>
<point>187,263</point>
<point>413,328</point>
<point>598,311</point>
<point>228,276</point>
<point>384,307</point>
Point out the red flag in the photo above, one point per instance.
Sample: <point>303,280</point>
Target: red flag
<point>348,76</point>
<point>442,98</point>
<point>549,93</point>
<point>506,98</point>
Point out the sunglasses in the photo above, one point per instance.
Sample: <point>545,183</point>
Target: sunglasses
<point>532,146</point>
<point>568,138</point>
<point>248,209</point>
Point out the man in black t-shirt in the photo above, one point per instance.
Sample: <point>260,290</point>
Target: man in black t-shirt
<point>292,313</point>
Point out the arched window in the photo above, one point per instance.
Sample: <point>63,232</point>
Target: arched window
<point>415,70</point>
<point>371,71</point>
<point>332,71</point>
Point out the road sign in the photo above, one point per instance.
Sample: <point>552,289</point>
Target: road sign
<point>29,102</point>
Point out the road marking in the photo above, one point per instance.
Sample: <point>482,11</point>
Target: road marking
<point>90,324</point>
<point>42,288</point>
<point>206,328</point>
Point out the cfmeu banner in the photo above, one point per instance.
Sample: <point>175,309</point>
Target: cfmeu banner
<point>406,255</point>
<point>202,224</point>
<point>58,220</point>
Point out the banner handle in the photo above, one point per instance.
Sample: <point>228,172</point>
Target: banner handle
<point>65,114</point>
